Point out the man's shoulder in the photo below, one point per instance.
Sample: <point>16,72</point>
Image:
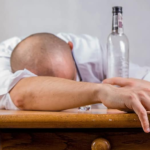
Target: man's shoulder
<point>74,37</point>
<point>86,51</point>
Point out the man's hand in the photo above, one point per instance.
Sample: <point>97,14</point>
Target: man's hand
<point>129,82</point>
<point>134,94</point>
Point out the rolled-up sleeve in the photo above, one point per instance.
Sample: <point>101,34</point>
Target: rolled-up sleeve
<point>7,82</point>
<point>8,79</point>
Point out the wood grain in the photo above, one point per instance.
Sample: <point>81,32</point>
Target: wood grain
<point>68,119</point>
<point>74,139</point>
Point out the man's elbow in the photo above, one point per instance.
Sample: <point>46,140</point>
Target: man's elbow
<point>18,102</point>
<point>18,97</point>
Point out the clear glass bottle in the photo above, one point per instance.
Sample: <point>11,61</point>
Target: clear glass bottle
<point>117,48</point>
<point>85,108</point>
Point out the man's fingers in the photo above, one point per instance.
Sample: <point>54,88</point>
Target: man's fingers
<point>142,114</point>
<point>117,81</point>
<point>145,100</point>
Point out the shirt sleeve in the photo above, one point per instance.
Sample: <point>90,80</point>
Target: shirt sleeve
<point>9,79</point>
<point>138,72</point>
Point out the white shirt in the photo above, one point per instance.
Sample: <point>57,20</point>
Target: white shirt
<point>89,55</point>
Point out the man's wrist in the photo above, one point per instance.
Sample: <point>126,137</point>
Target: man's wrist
<point>98,93</point>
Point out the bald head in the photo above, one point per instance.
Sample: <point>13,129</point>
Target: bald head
<point>45,55</point>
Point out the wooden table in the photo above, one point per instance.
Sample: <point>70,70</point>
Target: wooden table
<point>98,129</point>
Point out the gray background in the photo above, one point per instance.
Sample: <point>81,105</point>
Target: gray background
<point>23,17</point>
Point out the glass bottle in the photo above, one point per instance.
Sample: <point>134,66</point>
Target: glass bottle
<point>117,47</point>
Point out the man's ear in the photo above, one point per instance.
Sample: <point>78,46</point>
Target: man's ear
<point>70,45</point>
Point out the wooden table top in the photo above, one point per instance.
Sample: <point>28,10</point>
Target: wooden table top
<point>73,118</point>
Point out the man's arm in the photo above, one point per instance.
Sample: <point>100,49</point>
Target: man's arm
<point>49,93</point>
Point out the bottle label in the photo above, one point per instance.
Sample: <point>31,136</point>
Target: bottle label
<point>120,23</point>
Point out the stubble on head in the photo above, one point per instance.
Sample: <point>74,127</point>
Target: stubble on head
<point>44,54</point>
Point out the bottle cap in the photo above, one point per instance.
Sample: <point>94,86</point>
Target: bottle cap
<point>117,9</point>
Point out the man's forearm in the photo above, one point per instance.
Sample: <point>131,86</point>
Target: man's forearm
<point>48,93</point>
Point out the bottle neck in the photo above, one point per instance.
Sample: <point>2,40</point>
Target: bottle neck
<point>117,23</point>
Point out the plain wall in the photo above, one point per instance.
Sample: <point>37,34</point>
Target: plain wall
<point>94,17</point>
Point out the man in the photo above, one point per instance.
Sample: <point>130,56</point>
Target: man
<point>48,83</point>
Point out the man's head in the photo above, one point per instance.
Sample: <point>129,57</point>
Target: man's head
<point>45,55</point>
